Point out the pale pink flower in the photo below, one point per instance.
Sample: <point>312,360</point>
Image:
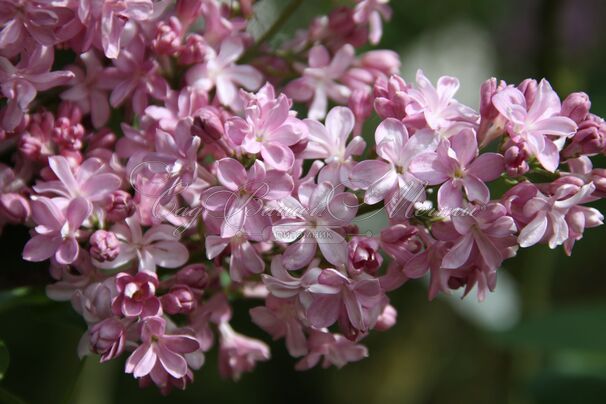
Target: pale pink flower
<point>319,215</point>
<point>92,180</point>
<point>178,106</point>
<point>319,81</point>
<point>485,234</point>
<point>438,105</point>
<point>268,128</point>
<point>391,179</point>
<point>106,20</point>
<point>457,166</point>
<point>159,246</point>
<point>244,258</point>
<point>547,216</point>
<point>283,285</point>
<point>21,82</point>
<point>239,354</point>
<point>135,76</point>
<point>221,72</point>
<point>280,319</point>
<point>46,22</point>
<point>538,123</point>
<point>241,196</point>
<point>93,302</point>
<point>108,338</point>
<point>329,142</point>
<point>332,349</point>
<point>333,295</point>
<point>87,89</point>
<point>136,295</point>
<point>160,351</point>
<point>57,230</point>
<point>372,12</point>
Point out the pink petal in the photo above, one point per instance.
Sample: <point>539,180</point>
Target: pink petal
<point>487,166</point>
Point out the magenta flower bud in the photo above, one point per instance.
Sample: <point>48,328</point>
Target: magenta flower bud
<point>360,103</point>
<point>193,50</point>
<point>119,206</point>
<point>598,176</point>
<point>104,246</point>
<point>102,139</point>
<point>576,106</point>
<point>566,186</point>
<point>14,207</point>
<point>300,146</point>
<point>107,338</point>
<point>68,135</point>
<point>391,97</point>
<point>30,146</point>
<point>589,140</point>
<point>180,300</point>
<point>402,242</point>
<point>364,256</point>
<point>70,111</point>
<point>529,88</point>
<point>168,37</point>
<point>194,275</point>
<point>516,163</point>
<point>387,318</point>
<point>208,126</point>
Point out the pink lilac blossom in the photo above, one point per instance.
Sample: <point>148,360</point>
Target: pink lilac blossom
<point>161,189</point>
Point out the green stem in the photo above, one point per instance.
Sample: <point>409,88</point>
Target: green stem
<point>287,12</point>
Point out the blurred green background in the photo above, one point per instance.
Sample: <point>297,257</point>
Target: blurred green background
<point>541,338</point>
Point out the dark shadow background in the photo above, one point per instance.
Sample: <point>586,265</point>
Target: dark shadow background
<point>555,353</point>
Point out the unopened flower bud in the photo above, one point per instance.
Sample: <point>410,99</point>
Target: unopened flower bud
<point>576,106</point>
<point>363,255</point>
<point>516,163</point>
<point>119,206</point>
<point>107,338</point>
<point>179,300</point>
<point>104,246</point>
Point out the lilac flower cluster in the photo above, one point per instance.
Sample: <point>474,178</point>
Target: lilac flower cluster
<point>164,173</point>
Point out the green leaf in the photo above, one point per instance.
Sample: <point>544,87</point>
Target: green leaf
<point>4,359</point>
<point>581,328</point>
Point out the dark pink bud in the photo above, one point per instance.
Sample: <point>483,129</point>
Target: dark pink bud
<point>119,206</point>
<point>566,186</point>
<point>576,106</point>
<point>208,126</point>
<point>193,50</point>
<point>104,246</point>
<point>14,207</point>
<point>179,300</point>
<point>589,140</point>
<point>516,160</point>
<point>402,242</point>
<point>364,256</point>
<point>70,111</point>
<point>107,338</point>
<point>391,97</point>
<point>168,37</point>
<point>360,103</point>
<point>194,275</point>
<point>598,176</point>
<point>68,135</point>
